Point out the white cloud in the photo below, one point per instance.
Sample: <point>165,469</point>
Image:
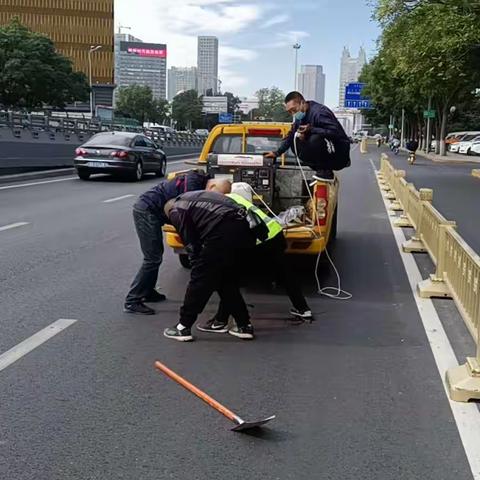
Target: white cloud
<point>285,39</point>
<point>276,20</point>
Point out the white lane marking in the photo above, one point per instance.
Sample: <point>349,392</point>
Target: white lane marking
<point>44,182</point>
<point>116,199</point>
<point>20,185</point>
<point>13,225</point>
<point>31,343</point>
<point>466,415</point>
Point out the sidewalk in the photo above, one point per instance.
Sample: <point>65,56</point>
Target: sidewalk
<point>450,158</point>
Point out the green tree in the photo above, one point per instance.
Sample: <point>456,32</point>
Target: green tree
<point>426,55</point>
<point>232,102</point>
<point>271,105</point>
<point>33,74</point>
<point>160,111</point>
<point>187,110</point>
<point>136,101</point>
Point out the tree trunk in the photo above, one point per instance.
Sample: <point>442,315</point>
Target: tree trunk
<point>443,130</point>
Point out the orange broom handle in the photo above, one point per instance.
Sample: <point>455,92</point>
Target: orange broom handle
<point>206,398</point>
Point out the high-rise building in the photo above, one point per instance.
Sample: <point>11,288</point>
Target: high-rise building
<point>311,82</point>
<point>139,63</point>
<point>207,65</point>
<point>181,79</point>
<point>350,71</point>
<point>74,26</point>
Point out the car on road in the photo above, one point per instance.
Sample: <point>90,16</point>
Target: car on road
<point>202,132</point>
<point>247,139</point>
<point>120,153</point>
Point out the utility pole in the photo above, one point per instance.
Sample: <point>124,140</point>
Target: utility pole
<point>296,47</point>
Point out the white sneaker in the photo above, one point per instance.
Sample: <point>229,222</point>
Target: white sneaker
<point>306,315</point>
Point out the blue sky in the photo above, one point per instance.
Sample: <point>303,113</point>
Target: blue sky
<point>256,37</point>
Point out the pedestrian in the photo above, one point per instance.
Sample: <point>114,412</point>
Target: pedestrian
<point>149,217</point>
<point>271,254</point>
<point>316,136</point>
<point>215,232</point>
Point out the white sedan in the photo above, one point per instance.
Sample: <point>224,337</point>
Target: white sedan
<point>475,150</point>
<point>465,146</point>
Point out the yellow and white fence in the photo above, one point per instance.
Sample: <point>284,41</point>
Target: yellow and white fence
<point>457,273</point>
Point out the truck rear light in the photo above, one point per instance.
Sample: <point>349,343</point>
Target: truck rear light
<point>321,196</point>
<point>264,132</point>
<point>80,152</point>
<point>119,154</point>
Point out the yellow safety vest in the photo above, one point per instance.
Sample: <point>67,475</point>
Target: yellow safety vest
<point>274,227</point>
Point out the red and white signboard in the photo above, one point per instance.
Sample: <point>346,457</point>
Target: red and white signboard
<point>148,52</point>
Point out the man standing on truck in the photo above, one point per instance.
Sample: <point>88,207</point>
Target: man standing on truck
<point>317,137</point>
<point>216,233</point>
<point>149,217</point>
<point>271,253</point>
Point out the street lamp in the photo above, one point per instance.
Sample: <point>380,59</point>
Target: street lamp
<point>296,47</point>
<point>92,49</point>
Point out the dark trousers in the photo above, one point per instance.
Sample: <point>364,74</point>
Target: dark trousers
<point>213,269</point>
<point>149,231</point>
<point>320,153</point>
<point>272,255</point>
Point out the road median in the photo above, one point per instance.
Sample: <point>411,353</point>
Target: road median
<point>457,273</point>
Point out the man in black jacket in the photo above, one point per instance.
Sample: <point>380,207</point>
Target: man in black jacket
<point>316,136</point>
<point>149,217</point>
<point>216,233</point>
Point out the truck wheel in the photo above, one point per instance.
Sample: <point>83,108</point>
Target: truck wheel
<point>185,261</point>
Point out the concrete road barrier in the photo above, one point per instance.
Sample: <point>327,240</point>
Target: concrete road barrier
<point>457,272</point>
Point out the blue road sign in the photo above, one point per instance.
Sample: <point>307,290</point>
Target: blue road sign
<point>225,117</point>
<point>354,97</point>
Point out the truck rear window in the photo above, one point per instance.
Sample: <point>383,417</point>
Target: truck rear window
<point>228,144</point>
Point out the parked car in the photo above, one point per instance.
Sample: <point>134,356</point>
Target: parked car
<point>466,144</point>
<point>464,137</point>
<point>120,153</point>
<point>454,137</point>
<point>475,150</point>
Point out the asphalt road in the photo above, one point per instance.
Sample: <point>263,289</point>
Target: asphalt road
<point>357,394</point>
<point>456,193</point>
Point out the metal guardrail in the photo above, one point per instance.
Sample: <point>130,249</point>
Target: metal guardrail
<point>32,125</point>
<point>457,273</point>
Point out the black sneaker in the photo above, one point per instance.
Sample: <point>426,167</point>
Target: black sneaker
<point>324,176</point>
<point>212,326</point>
<point>245,333</point>
<point>305,315</point>
<point>155,297</point>
<point>174,333</point>
<point>138,309</point>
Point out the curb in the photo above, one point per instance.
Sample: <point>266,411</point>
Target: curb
<point>476,173</point>
<point>36,175</point>
<point>448,159</point>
